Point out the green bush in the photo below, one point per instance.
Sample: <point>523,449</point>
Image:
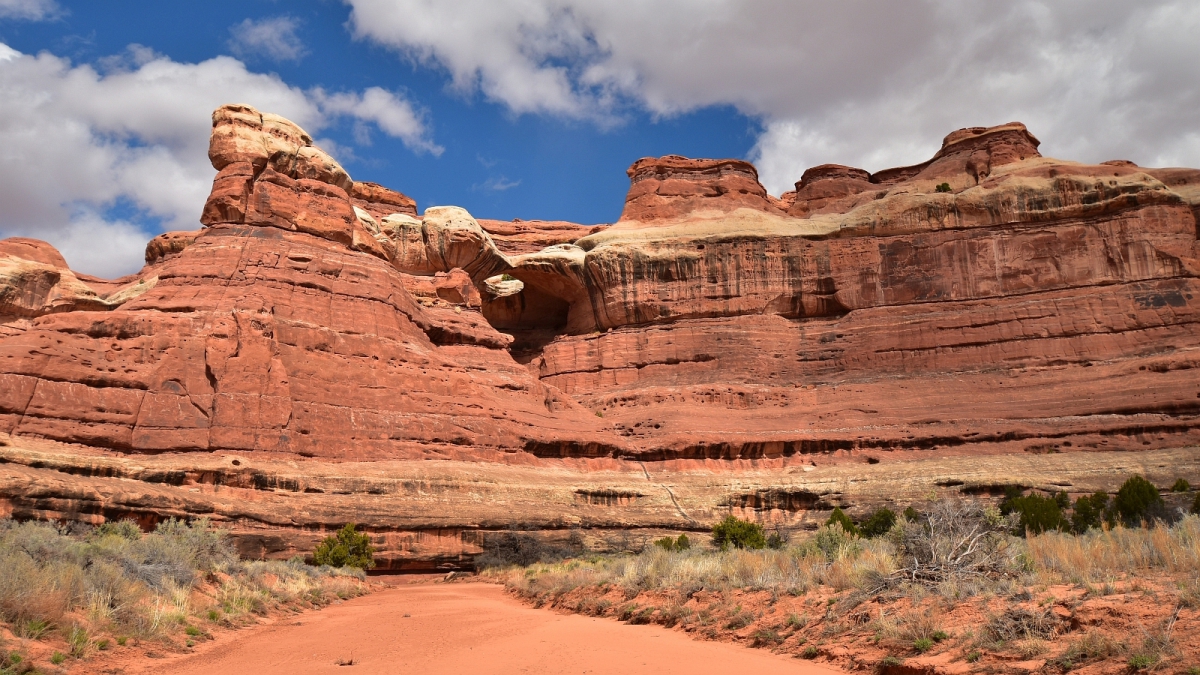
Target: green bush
<point>1088,512</point>
<point>1196,504</point>
<point>879,523</point>
<point>1037,514</point>
<point>922,645</point>
<point>839,517</point>
<point>1181,485</point>
<point>910,514</point>
<point>1142,661</point>
<point>347,548</point>
<point>738,533</point>
<point>126,529</point>
<point>671,544</point>
<point>943,187</point>
<point>1138,501</point>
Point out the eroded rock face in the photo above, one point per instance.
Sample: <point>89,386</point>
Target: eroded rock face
<point>716,350</point>
<point>671,187</point>
<point>824,189</point>
<point>380,201</point>
<point>521,237</point>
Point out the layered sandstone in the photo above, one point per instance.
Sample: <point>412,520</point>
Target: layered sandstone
<point>966,323</point>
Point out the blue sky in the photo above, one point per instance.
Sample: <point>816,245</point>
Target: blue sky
<point>535,108</point>
<point>496,164</point>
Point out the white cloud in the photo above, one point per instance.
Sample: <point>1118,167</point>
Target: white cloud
<point>31,10</point>
<point>864,83</point>
<point>274,38</point>
<point>78,145</point>
<point>497,184</point>
<point>393,115</point>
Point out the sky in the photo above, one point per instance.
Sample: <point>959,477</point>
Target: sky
<point>535,108</point>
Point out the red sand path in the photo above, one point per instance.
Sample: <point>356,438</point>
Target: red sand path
<point>470,628</point>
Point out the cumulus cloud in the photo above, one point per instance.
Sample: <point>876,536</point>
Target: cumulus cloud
<point>88,156</point>
<point>274,38</point>
<point>856,82</point>
<point>30,10</point>
<point>393,115</point>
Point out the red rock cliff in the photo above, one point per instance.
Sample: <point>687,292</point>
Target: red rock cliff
<point>986,302</point>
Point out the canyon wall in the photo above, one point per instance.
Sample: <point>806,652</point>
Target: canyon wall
<point>294,363</point>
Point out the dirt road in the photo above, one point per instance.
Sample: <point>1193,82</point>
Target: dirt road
<point>469,628</point>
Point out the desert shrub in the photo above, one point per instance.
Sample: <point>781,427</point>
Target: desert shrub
<point>1088,512</point>
<point>674,544</point>
<point>1035,514</point>
<point>767,638</point>
<point>1017,623</point>
<point>1196,504</point>
<point>115,580</point>
<point>1142,661</point>
<point>879,523</point>
<point>1138,501</point>
<point>956,538</point>
<point>347,548</point>
<point>514,547</point>
<point>834,543</point>
<point>126,529</point>
<point>943,187</point>
<point>737,533</point>
<point>1181,485</point>
<point>839,517</point>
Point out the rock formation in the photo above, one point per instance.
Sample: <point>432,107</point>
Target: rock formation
<point>967,323</point>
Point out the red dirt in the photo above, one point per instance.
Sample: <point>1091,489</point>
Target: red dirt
<point>460,628</point>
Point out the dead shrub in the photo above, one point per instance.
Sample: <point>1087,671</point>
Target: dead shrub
<point>1020,624</point>
<point>955,539</point>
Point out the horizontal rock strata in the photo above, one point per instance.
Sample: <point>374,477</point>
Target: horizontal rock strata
<point>988,317</point>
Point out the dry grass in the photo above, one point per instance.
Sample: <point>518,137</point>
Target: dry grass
<point>92,587</point>
<point>1102,555</point>
<point>983,595</point>
<point>845,563</point>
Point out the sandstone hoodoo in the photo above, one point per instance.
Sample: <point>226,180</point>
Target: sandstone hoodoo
<point>990,317</point>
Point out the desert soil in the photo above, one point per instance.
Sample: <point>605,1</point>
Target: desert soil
<point>465,627</point>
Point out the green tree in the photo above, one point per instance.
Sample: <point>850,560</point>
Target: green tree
<point>1196,504</point>
<point>879,523</point>
<point>738,533</point>
<point>839,517</point>
<point>1037,514</point>
<point>1137,501</point>
<point>347,548</point>
<point>1181,485</point>
<point>1088,512</point>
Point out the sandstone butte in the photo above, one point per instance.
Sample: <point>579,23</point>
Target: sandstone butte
<point>867,339</point>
